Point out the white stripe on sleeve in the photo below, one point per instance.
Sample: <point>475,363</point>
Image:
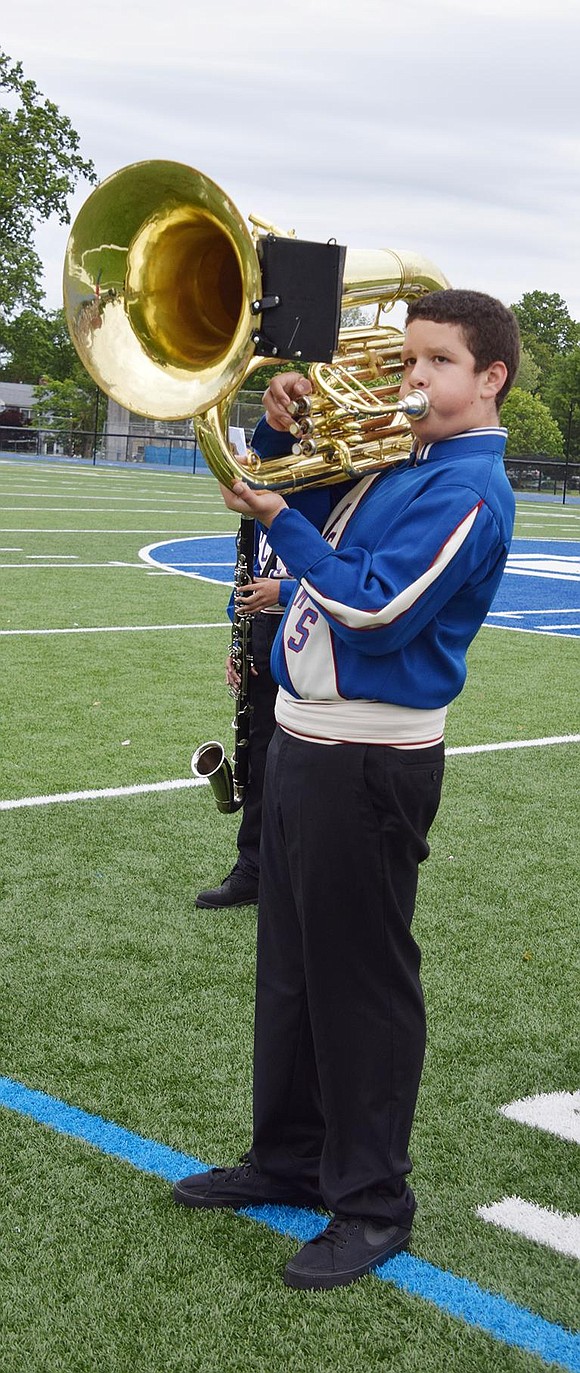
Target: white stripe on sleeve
<point>354,618</point>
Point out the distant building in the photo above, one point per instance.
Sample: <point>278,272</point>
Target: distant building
<point>17,395</point>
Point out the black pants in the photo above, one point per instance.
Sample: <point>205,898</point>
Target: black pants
<point>263,691</point>
<point>340,1022</point>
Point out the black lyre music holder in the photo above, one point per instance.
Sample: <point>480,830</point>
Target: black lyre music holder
<point>301,299</point>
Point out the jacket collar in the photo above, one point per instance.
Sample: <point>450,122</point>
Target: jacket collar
<point>491,440</point>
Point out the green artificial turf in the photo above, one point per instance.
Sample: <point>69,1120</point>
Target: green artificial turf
<point>119,996</point>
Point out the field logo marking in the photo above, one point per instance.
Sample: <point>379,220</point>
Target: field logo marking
<point>558,1113</point>
<point>538,593</point>
<point>506,1322</point>
<point>208,559</point>
<point>564,567</point>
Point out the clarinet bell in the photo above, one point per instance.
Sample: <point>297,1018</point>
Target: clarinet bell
<point>209,762</point>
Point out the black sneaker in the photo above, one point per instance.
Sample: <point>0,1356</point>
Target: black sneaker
<point>243,1185</point>
<point>349,1247</point>
<point>237,889</point>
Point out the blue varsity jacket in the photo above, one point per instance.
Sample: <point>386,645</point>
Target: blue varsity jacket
<point>394,590</point>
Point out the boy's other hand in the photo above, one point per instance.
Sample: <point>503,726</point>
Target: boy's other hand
<point>284,388</point>
<point>260,505</point>
<point>258,595</point>
<point>233,679</point>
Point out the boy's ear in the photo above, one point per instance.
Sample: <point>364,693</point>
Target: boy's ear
<point>494,377</point>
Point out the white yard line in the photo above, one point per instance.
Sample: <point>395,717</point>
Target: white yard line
<point>515,614</point>
<point>552,1228</point>
<point>157,499</point>
<point>86,510</point>
<point>74,567</point>
<point>115,629</point>
<point>70,567</point>
<point>104,793</point>
<point>78,472</point>
<point>168,533</point>
<point>553,512</point>
<point>515,743</point>
<point>556,1112</point>
<point>520,629</point>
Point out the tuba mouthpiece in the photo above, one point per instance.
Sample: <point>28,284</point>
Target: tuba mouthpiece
<point>415,405</point>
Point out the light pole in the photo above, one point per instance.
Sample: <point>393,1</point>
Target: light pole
<point>96,429</point>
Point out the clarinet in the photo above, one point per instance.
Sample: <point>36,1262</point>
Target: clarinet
<point>229,781</point>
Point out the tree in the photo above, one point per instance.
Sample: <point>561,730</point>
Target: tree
<point>531,428</point>
<point>37,344</point>
<point>563,398</point>
<point>356,316</point>
<point>546,327</point>
<point>529,375</point>
<point>40,165</point>
<point>261,378</point>
<point>70,408</point>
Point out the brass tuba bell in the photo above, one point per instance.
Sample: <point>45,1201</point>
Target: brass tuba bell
<point>162,280</point>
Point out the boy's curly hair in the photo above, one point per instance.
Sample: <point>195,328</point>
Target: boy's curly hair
<point>490,329</point>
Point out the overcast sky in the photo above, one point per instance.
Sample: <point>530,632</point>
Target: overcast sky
<point>447,127</point>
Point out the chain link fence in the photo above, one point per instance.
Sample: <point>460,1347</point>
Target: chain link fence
<point>175,446</point>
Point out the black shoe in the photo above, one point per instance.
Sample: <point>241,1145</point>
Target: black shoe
<point>237,889</point>
<point>243,1185</point>
<point>349,1247</point>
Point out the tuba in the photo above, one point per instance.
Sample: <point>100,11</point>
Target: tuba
<point>171,306</point>
<point>167,306</point>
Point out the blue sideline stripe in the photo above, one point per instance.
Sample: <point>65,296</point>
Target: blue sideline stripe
<point>513,1325</point>
<point>142,1153</point>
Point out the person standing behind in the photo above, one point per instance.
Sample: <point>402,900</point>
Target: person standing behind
<point>371,652</point>
<point>265,598</point>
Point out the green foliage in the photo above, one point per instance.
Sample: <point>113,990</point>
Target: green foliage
<point>529,374</point>
<point>37,349</point>
<point>355,316</point>
<point>563,397</point>
<point>545,319</point>
<point>261,378</point>
<point>35,345</point>
<point>68,407</point>
<point>40,165</point>
<point>531,428</point>
<point>547,330</point>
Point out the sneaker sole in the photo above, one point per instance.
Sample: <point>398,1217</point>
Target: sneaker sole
<point>196,1202</point>
<point>322,1282</point>
<point>208,1203</point>
<point>225,905</point>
